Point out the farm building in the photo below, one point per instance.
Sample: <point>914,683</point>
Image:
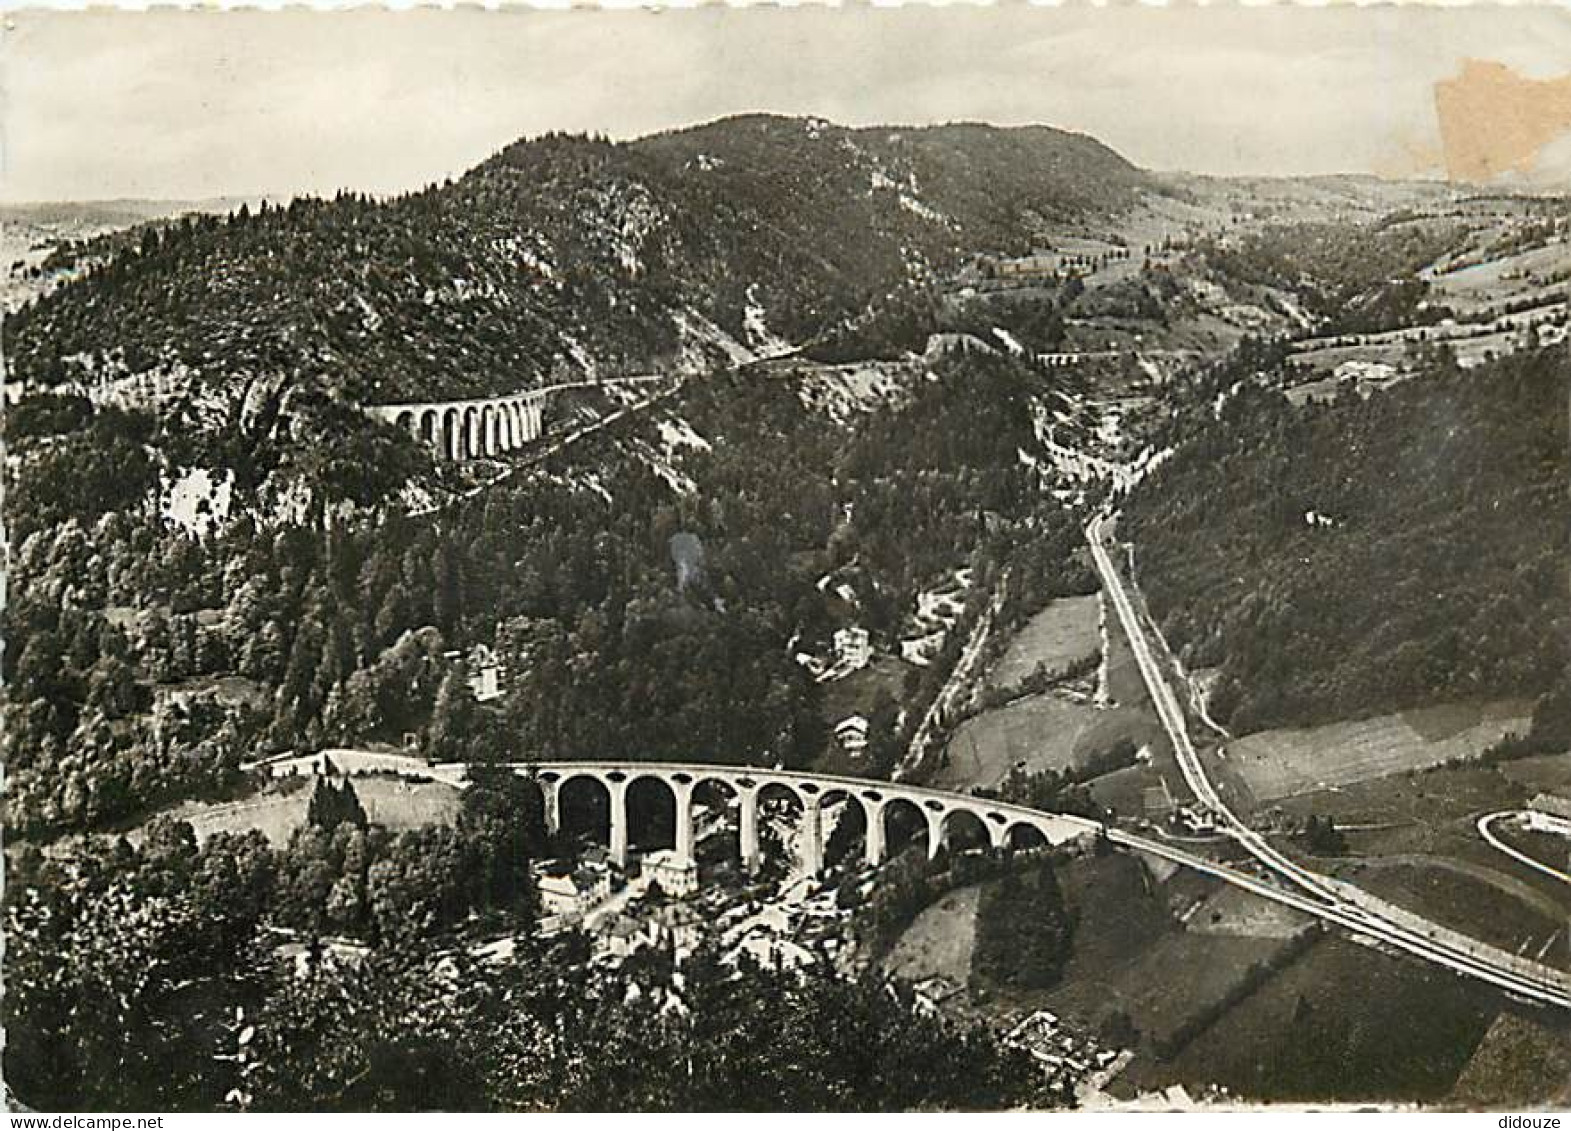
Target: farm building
<point>568,890</point>
<point>1550,813</point>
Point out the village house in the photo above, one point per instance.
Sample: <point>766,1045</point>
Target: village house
<point>677,875</point>
<point>851,734</point>
<point>570,890</point>
<point>485,674</point>
<point>853,648</point>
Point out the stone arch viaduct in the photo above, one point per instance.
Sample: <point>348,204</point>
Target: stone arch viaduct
<point>485,426</point>
<point>811,791</point>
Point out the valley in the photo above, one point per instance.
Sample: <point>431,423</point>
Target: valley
<point>1218,514</point>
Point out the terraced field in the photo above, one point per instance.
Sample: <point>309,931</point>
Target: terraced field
<point>1275,764</point>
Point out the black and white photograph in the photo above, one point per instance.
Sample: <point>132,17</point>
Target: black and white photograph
<point>852,559</point>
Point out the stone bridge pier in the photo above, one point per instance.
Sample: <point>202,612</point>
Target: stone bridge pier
<point>813,793</point>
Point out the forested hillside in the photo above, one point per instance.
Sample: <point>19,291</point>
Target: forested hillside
<point>120,631</point>
<point>1346,559</point>
<point>1358,278</point>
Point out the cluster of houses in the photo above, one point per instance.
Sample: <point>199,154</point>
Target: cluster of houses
<point>678,927</point>
<point>486,673</point>
<point>1071,1061</point>
<point>570,889</point>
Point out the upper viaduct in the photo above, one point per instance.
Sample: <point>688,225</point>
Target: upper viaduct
<point>485,426</point>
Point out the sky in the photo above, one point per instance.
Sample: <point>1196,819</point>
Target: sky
<point>190,105</point>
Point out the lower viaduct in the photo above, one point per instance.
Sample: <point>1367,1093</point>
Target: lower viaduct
<point>811,791</point>
<point>940,812</point>
<point>485,426</point>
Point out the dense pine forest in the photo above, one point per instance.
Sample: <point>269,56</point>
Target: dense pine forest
<point>1345,559</point>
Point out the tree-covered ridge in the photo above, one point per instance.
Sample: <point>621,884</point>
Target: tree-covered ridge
<point>556,248</point>
<point>1334,264</point>
<point>1346,559</point>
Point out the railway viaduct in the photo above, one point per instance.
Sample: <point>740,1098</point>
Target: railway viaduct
<point>812,792</point>
<point>485,426</point>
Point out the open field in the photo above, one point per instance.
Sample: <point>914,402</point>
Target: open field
<point>1040,732</point>
<point>1062,634</point>
<point>1341,1022</point>
<point>1502,277</point>
<point>939,941</point>
<point>1521,1062</point>
<point>1284,763</point>
<point>1407,812</point>
<point>276,814</point>
<point>1413,838</point>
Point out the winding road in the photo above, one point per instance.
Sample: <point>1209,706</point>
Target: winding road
<point>1487,832</point>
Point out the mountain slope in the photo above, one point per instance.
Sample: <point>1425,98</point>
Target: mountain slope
<point>1348,559</point>
<point>561,255</point>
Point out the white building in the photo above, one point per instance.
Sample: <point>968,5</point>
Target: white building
<point>485,674</point>
<point>853,647</point>
<point>1548,813</point>
<point>676,875</point>
<point>851,734</point>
